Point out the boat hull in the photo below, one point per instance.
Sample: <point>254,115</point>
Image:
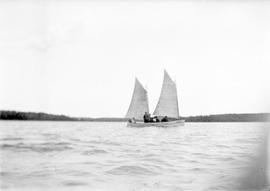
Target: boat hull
<point>175,123</point>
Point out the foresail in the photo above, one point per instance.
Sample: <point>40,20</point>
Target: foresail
<point>139,102</point>
<point>168,101</point>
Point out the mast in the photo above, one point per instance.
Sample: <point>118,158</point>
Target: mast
<point>139,102</point>
<point>168,100</point>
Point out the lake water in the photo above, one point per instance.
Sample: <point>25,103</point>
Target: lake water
<point>111,156</point>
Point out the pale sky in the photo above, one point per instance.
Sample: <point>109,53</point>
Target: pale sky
<point>80,58</point>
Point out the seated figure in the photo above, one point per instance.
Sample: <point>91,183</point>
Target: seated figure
<point>133,120</point>
<point>146,117</point>
<point>164,119</point>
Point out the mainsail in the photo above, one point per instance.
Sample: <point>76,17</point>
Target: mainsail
<point>139,102</point>
<point>168,101</point>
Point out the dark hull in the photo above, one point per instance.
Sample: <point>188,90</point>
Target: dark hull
<point>175,123</point>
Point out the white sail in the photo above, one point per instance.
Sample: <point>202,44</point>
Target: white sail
<point>139,102</point>
<point>168,101</point>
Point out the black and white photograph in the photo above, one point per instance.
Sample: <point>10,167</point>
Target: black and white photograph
<point>134,95</point>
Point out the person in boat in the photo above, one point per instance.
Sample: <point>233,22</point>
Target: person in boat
<point>155,119</point>
<point>133,120</point>
<point>146,117</point>
<point>164,119</point>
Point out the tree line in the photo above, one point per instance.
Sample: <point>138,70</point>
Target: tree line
<point>251,117</point>
<point>14,115</point>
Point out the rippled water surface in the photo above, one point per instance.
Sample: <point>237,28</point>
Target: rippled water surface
<point>111,156</point>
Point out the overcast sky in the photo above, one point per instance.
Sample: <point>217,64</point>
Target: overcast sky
<point>80,58</point>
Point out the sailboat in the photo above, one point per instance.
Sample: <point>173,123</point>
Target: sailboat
<point>166,106</point>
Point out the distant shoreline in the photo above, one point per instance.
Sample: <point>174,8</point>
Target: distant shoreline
<point>38,116</point>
